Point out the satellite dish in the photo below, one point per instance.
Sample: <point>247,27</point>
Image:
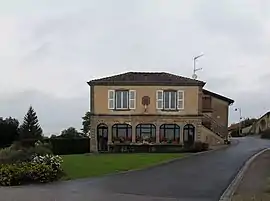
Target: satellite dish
<point>194,76</point>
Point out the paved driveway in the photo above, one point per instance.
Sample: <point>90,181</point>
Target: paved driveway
<point>199,178</point>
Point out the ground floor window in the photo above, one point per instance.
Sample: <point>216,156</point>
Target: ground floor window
<point>121,133</point>
<point>146,132</point>
<point>170,133</point>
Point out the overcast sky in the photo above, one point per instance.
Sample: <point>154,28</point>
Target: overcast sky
<point>49,49</point>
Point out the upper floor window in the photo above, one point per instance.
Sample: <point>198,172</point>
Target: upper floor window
<point>170,100</point>
<point>121,99</point>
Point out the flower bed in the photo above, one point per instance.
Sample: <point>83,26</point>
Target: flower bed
<point>157,148</point>
<point>121,139</point>
<point>31,165</point>
<point>146,148</point>
<point>148,140</point>
<point>30,172</point>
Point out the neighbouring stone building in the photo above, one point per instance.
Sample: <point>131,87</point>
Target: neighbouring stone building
<point>261,125</point>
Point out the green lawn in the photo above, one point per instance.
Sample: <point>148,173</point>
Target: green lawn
<point>80,166</point>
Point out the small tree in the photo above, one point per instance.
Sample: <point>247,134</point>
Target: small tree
<point>8,131</point>
<point>30,129</point>
<point>71,132</point>
<point>86,123</point>
<point>53,136</point>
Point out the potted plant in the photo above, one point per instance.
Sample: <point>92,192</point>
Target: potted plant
<point>139,139</point>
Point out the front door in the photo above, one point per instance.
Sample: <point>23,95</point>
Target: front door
<point>189,135</point>
<point>102,138</point>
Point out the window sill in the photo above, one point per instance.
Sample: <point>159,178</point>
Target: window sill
<point>121,109</point>
<point>170,110</point>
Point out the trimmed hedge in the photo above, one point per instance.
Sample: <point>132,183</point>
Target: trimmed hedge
<point>63,146</point>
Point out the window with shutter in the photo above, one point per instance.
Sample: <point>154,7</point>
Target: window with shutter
<point>180,99</point>
<point>170,101</point>
<point>121,99</point>
<point>159,99</point>
<point>111,96</point>
<point>132,99</point>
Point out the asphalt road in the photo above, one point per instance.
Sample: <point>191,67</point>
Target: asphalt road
<point>199,178</point>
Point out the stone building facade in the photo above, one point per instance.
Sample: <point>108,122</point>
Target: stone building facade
<point>164,107</point>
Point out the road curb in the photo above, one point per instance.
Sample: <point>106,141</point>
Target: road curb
<point>230,190</point>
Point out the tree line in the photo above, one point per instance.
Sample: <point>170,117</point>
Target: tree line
<point>11,130</point>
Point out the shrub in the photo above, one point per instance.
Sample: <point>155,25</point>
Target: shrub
<point>51,160</point>
<point>41,169</point>
<point>9,155</point>
<point>199,146</point>
<point>17,153</point>
<point>38,150</point>
<point>5,151</point>
<point>205,146</point>
<point>26,143</point>
<point>62,146</point>
<point>59,146</point>
<point>42,173</point>
<point>22,173</point>
<point>11,174</point>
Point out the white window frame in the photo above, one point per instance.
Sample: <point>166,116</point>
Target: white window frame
<point>122,100</point>
<point>111,99</point>
<point>132,101</point>
<point>159,100</point>
<point>170,100</point>
<point>180,100</point>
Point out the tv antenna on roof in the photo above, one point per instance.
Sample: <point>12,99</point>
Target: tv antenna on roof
<point>194,76</point>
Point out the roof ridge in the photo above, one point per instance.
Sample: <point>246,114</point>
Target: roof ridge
<point>145,78</point>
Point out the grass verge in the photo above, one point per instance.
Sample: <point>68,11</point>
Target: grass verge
<point>90,165</point>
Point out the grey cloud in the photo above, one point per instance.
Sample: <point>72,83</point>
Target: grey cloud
<point>54,114</point>
<point>253,104</point>
<point>219,83</point>
<point>235,20</point>
<point>39,53</point>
